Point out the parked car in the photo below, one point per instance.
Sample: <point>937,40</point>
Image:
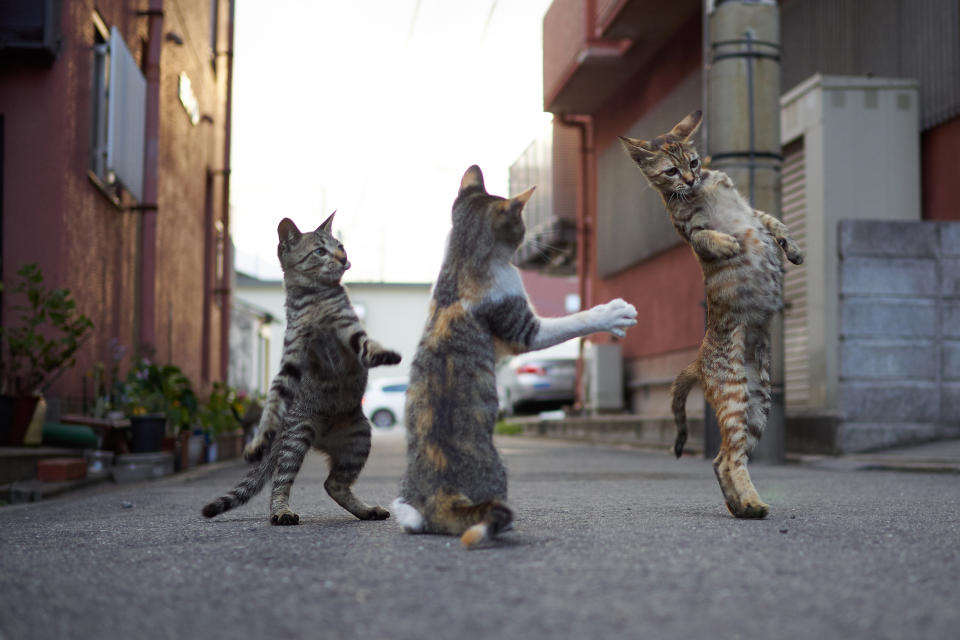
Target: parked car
<point>538,379</point>
<point>384,400</point>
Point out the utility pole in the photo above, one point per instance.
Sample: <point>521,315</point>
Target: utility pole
<point>743,140</point>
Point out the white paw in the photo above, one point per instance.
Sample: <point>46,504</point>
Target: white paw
<point>407,516</point>
<point>616,316</point>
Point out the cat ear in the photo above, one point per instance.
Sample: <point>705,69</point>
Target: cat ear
<point>686,127</point>
<point>519,201</point>
<point>637,149</point>
<point>287,230</point>
<point>326,224</point>
<point>472,179</point>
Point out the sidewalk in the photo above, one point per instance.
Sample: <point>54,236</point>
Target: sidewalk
<point>942,456</point>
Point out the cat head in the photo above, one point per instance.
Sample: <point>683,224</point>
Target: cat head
<point>484,223</point>
<point>311,258</point>
<point>669,162</point>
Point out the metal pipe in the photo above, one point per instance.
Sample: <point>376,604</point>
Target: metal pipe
<point>584,230</point>
<point>226,300</point>
<point>147,339</point>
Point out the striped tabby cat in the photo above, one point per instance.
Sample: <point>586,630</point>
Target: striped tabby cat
<point>455,483</point>
<point>315,398</point>
<point>738,249</point>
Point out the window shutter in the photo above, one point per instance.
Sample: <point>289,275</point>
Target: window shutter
<point>127,109</point>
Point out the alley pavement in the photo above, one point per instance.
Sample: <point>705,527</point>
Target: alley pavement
<point>609,543</point>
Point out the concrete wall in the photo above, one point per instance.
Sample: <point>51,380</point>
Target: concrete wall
<point>899,333</point>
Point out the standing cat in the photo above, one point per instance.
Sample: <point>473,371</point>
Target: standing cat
<point>315,398</point>
<point>455,482</point>
<point>738,249</point>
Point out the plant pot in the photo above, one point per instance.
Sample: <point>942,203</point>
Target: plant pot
<point>193,446</point>
<point>16,412</point>
<point>147,432</point>
<point>230,445</point>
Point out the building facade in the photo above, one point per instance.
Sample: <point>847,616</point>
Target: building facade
<point>635,67</point>
<point>115,128</point>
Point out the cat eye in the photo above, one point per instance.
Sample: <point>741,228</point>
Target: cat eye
<point>672,171</point>
<point>694,163</point>
<point>320,252</point>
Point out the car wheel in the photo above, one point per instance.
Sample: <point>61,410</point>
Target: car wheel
<point>382,418</point>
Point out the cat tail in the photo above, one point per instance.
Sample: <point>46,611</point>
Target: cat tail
<point>482,521</point>
<point>249,486</point>
<point>678,402</point>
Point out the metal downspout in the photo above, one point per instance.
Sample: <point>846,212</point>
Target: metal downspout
<point>227,284</point>
<point>147,338</point>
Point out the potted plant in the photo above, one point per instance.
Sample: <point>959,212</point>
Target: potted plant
<point>159,400</point>
<point>218,419</point>
<point>39,347</point>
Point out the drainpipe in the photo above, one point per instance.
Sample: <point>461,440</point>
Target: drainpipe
<point>208,266</point>
<point>147,338</point>
<point>584,231</point>
<point>743,108</point>
<point>226,299</point>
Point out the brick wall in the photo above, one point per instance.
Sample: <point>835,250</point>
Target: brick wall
<point>899,333</point>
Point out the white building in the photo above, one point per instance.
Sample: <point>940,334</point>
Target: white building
<point>392,313</point>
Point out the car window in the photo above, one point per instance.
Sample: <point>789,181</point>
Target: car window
<point>394,388</point>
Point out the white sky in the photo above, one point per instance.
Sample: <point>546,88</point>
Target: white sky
<point>375,109</point>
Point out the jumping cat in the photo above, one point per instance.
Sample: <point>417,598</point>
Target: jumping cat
<point>738,249</point>
<point>315,399</point>
<point>455,483</point>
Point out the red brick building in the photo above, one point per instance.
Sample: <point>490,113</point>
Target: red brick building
<point>115,129</point>
<point>635,67</point>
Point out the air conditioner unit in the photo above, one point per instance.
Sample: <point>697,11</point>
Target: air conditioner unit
<point>604,366</point>
<point>30,30</point>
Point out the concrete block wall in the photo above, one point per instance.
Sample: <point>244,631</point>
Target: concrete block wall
<point>899,331</point>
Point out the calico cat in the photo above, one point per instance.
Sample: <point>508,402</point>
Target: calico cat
<point>738,249</point>
<point>455,483</point>
<point>315,398</point>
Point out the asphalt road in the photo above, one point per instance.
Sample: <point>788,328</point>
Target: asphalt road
<point>610,543</point>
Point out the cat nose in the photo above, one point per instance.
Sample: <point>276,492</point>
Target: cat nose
<point>341,256</point>
<point>688,178</point>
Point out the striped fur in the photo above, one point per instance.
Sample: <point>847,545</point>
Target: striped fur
<point>315,399</point>
<point>738,249</point>
<point>455,483</point>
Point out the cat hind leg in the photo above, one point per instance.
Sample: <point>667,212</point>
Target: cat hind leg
<point>294,444</point>
<point>348,454</point>
<point>730,402</point>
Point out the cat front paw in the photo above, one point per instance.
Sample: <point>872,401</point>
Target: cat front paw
<point>791,250</point>
<point>383,358</point>
<point>726,246</point>
<point>617,316</point>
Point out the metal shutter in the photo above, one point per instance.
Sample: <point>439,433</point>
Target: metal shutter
<point>794,208</point>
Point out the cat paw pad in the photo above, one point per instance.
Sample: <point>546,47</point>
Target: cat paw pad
<point>376,513</point>
<point>285,518</point>
<point>384,357</point>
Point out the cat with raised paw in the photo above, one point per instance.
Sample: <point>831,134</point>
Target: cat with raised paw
<point>455,483</point>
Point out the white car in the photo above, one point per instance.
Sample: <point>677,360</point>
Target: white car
<point>384,400</point>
